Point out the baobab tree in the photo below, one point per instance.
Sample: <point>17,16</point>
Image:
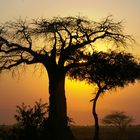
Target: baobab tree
<point>58,44</point>
<point>108,71</point>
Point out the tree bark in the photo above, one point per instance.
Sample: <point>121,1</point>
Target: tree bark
<point>57,123</point>
<point>96,130</point>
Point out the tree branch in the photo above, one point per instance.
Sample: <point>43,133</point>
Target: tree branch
<point>8,64</point>
<point>53,51</point>
<point>75,65</point>
<point>17,47</point>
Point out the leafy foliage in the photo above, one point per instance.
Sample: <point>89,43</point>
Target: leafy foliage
<point>109,70</point>
<point>30,121</point>
<point>29,117</point>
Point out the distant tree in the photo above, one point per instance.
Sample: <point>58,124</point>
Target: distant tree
<point>108,71</point>
<point>59,44</point>
<point>118,119</point>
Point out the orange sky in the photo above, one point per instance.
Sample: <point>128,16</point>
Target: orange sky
<point>33,86</point>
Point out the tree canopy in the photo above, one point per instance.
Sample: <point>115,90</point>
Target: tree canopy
<point>118,119</point>
<point>109,70</point>
<point>62,41</point>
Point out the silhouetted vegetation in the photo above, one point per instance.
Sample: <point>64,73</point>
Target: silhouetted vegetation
<point>31,120</point>
<point>60,45</point>
<point>31,123</point>
<point>119,120</point>
<point>108,71</point>
<point>35,116</point>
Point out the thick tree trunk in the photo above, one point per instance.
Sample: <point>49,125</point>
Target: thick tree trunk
<point>96,130</point>
<point>57,123</point>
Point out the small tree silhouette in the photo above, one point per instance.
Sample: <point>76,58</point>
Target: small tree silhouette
<point>119,120</point>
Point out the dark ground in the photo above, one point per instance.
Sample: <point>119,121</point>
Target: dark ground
<point>86,133</point>
<point>106,133</point>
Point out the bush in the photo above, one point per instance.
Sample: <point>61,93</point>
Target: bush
<point>30,121</point>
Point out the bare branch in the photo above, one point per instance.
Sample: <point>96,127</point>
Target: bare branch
<point>8,64</point>
<point>59,40</point>
<point>53,51</point>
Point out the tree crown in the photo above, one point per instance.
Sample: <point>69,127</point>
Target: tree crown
<point>61,41</point>
<point>118,119</point>
<point>109,70</point>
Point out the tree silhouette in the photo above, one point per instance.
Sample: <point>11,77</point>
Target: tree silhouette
<point>59,44</point>
<point>119,120</point>
<point>108,71</point>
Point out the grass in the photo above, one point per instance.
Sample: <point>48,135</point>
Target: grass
<point>86,133</point>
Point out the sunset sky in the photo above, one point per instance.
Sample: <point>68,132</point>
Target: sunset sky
<point>31,85</point>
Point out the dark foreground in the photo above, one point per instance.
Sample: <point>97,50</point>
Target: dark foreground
<point>106,133</point>
<point>86,133</point>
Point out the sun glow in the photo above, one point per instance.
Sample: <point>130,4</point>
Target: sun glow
<point>78,91</point>
<point>103,46</point>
